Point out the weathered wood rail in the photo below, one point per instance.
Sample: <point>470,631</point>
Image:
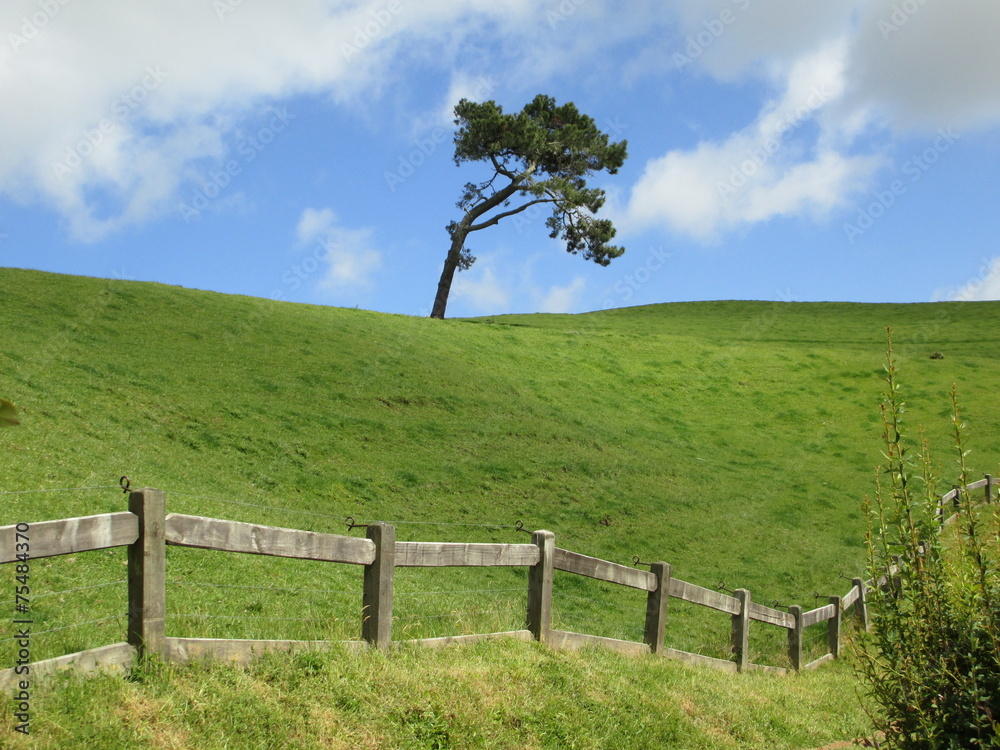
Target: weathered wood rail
<point>950,499</point>
<point>146,530</point>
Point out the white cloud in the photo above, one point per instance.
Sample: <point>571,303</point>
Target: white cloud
<point>720,187</point>
<point>918,64</point>
<point>83,89</point>
<point>352,259</point>
<point>481,290</point>
<point>986,285</point>
<point>501,281</point>
<point>313,223</point>
<point>890,67</point>
<point>731,39</point>
<point>117,102</point>
<point>479,88</point>
<point>563,299</point>
<point>764,171</point>
<point>147,99</point>
<point>924,64</point>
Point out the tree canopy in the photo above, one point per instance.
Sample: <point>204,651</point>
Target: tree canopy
<point>540,155</point>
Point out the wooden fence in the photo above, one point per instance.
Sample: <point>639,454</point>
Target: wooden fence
<point>950,500</point>
<point>146,529</point>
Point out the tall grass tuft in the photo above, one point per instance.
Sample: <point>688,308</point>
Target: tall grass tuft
<point>931,663</point>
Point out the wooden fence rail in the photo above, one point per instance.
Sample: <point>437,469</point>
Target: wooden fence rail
<point>70,535</point>
<point>146,529</point>
<point>234,536</point>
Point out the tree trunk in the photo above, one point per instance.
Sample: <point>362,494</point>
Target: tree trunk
<point>448,272</point>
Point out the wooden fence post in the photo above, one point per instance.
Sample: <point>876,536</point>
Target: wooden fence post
<point>540,586</point>
<point>147,556</point>
<point>795,638</point>
<point>833,628</point>
<point>894,581</point>
<point>861,604</point>
<point>376,617</point>
<point>741,630</point>
<point>656,607</point>
<point>989,489</point>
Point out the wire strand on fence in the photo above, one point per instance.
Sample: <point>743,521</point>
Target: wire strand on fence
<point>603,615</point>
<point>458,591</point>
<point>442,523</point>
<point>605,618</point>
<point>65,627</point>
<point>261,588</point>
<point>622,607</point>
<point>62,489</point>
<point>35,597</point>
<point>457,614</point>
<point>599,552</point>
<point>337,517</point>
<point>252,617</point>
<point>256,505</point>
<point>815,635</point>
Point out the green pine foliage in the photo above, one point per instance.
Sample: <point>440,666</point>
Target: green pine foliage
<point>542,157</point>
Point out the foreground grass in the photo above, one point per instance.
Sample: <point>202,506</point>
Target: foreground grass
<point>493,695</point>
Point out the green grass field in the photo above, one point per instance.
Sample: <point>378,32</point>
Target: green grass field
<point>734,440</point>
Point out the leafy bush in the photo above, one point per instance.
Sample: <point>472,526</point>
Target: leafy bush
<point>931,663</point>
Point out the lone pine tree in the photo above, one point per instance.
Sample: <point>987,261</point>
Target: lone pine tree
<point>540,155</point>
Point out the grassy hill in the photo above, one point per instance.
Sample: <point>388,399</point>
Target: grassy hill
<point>734,440</point>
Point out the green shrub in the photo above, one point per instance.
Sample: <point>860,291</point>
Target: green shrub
<point>931,663</point>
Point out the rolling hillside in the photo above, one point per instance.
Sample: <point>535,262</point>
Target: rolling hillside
<point>626,430</point>
<point>735,440</point>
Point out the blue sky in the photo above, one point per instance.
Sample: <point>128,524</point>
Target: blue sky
<point>302,151</point>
